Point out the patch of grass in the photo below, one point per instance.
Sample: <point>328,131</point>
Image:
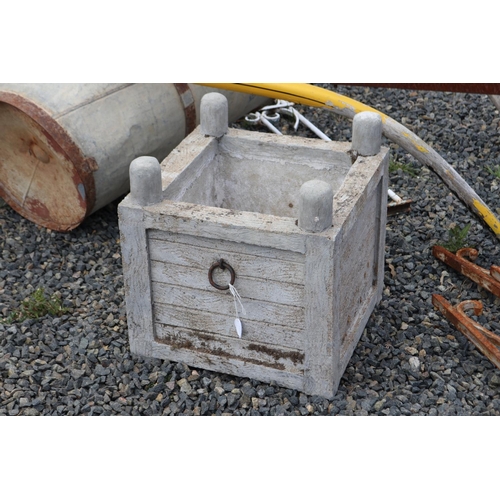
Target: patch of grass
<point>36,306</point>
<point>394,166</point>
<point>457,238</point>
<point>495,171</point>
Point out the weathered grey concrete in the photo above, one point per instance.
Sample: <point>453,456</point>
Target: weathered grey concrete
<point>145,180</point>
<point>213,114</point>
<point>252,172</point>
<point>315,206</point>
<point>307,295</point>
<point>367,133</point>
<point>263,173</point>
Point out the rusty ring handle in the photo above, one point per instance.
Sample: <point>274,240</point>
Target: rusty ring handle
<point>223,265</point>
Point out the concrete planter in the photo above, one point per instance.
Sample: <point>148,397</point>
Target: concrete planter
<point>294,224</point>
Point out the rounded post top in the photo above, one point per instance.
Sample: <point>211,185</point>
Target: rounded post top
<point>315,206</point>
<point>367,133</point>
<point>145,180</point>
<point>214,114</point>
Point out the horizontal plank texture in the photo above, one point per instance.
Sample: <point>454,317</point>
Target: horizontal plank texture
<point>270,284</point>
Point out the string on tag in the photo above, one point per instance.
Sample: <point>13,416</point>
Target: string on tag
<point>237,300</point>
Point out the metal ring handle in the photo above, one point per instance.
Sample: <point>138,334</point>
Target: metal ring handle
<point>223,265</point>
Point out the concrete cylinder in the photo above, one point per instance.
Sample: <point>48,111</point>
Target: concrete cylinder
<point>65,149</point>
<point>145,180</point>
<point>367,133</point>
<point>315,206</point>
<point>214,114</point>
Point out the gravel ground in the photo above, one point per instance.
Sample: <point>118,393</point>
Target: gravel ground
<point>409,361</point>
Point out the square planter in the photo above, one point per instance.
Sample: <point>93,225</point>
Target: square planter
<point>297,225</point>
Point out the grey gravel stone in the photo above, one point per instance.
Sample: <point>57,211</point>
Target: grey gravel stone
<point>414,364</point>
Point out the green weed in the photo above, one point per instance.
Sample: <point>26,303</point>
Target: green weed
<point>495,171</point>
<point>36,306</point>
<point>394,166</point>
<point>457,238</point>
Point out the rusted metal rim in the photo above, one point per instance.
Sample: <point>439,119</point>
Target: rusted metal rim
<point>44,175</point>
<point>222,264</point>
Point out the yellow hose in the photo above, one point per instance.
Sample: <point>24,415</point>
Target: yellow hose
<point>300,93</point>
<point>310,95</point>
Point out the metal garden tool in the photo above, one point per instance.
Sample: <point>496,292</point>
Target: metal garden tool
<point>490,280</point>
<point>486,342</point>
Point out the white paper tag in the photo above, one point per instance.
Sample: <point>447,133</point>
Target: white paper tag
<point>237,300</point>
<point>237,325</point>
